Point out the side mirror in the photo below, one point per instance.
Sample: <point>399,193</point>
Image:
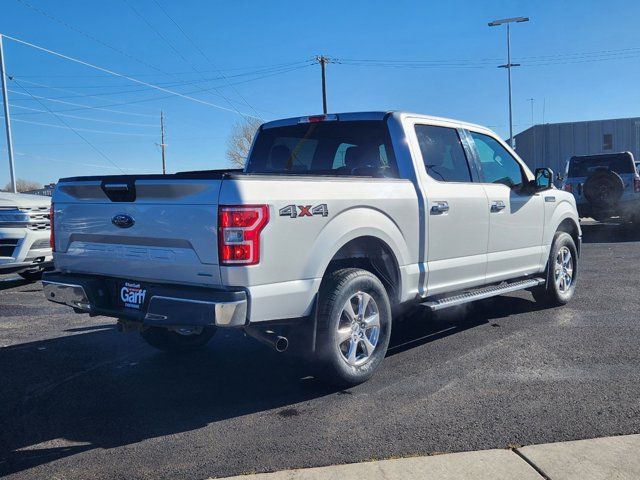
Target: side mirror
<point>544,179</point>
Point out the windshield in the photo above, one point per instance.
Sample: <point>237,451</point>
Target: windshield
<point>585,166</point>
<point>358,148</point>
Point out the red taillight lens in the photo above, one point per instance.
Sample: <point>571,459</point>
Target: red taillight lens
<point>239,228</point>
<point>52,235</point>
<point>636,185</point>
<point>568,188</point>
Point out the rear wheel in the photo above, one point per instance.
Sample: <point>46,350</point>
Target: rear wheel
<point>561,275</point>
<point>354,326</point>
<point>178,340</point>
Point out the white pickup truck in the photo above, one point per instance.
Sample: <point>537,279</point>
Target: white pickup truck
<point>335,221</point>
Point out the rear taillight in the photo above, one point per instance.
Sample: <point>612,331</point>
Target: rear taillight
<point>52,235</point>
<point>239,228</point>
<point>636,184</point>
<point>568,188</point>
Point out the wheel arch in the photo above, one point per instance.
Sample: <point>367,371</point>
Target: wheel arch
<point>362,237</point>
<point>569,225</point>
<point>374,255</point>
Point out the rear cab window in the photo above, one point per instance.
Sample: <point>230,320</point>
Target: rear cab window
<point>345,148</point>
<point>587,165</point>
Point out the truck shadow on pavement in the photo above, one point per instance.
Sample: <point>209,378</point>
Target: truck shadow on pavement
<point>101,389</point>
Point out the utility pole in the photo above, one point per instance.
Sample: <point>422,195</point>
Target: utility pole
<point>322,60</point>
<point>531,100</point>
<point>7,118</point>
<point>162,144</point>
<point>509,65</point>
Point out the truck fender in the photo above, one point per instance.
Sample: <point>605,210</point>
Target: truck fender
<point>348,225</point>
<point>564,210</point>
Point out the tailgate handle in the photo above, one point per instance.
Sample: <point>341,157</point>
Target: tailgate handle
<point>119,191</point>
<point>116,187</point>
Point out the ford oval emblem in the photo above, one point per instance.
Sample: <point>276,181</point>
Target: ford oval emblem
<point>122,220</point>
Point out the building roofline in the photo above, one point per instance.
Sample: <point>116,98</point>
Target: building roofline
<point>577,122</point>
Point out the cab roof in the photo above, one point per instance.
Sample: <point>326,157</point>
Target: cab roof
<point>374,115</point>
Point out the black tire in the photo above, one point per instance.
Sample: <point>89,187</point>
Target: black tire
<point>174,342</point>
<point>603,189</point>
<point>342,285</point>
<point>31,275</point>
<point>550,293</point>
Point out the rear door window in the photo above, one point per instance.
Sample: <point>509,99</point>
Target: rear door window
<point>443,154</point>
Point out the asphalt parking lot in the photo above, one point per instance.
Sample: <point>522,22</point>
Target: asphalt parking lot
<point>80,400</point>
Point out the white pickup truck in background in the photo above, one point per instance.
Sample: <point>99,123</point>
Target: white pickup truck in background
<point>335,221</point>
<point>24,234</point>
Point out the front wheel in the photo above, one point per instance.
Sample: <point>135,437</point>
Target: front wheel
<point>354,326</point>
<point>562,270</point>
<point>178,340</point>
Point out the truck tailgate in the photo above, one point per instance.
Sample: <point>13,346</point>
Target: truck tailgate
<point>153,229</point>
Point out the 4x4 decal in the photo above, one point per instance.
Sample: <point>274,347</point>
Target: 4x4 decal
<point>294,211</point>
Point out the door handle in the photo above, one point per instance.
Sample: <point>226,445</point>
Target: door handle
<point>438,208</point>
<point>497,206</point>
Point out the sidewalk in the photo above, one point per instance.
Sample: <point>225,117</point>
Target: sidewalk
<point>597,459</point>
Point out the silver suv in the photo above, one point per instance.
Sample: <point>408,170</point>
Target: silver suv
<point>24,234</point>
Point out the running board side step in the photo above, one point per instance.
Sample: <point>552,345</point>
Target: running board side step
<point>480,293</point>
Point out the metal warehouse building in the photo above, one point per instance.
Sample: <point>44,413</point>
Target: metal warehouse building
<point>552,144</point>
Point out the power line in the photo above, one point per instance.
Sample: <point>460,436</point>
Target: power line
<point>88,35</point>
<point>128,141</point>
<point>88,130</point>
<point>151,99</point>
<point>83,107</point>
<point>51,159</point>
<point>130,124</point>
<point>61,120</point>
<point>136,90</point>
<point>76,94</point>
<point>532,61</point>
<point>177,52</point>
<point>106,70</point>
<point>253,67</point>
<point>204,55</point>
<point>273,69</point>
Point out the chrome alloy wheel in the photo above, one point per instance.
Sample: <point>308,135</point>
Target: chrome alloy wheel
<point>358,328</point>
<point>563,271</point>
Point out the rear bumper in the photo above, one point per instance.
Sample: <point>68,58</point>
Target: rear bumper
<point>627,208</point>
<point>164,305</point>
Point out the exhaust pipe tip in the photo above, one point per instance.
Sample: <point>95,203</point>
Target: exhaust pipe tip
<point>281,344</point>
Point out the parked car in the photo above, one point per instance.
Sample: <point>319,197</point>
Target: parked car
<point>335,221</point>
<point>24,234</point>
<point>604,186</point>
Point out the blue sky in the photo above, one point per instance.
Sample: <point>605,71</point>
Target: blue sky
<point>457,76</point>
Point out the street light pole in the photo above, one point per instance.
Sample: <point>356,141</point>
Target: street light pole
<point>508,22</point>
<point>7,119</point>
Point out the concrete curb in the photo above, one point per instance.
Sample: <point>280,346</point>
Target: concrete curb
<point>595,459</point>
